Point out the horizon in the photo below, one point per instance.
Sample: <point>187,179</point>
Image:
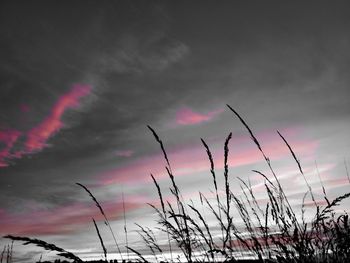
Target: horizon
<point>81,81</point>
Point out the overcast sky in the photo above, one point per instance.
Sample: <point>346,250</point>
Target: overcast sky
<point>81,80</point>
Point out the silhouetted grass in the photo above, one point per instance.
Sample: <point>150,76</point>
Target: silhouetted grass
<point>291,240</point>
<point>46,246</point>
<point>101,240</point>
<point>270,231</point>
<point>103,214</point>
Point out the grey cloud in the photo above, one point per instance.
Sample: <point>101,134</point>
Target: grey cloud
<point>134,55</point>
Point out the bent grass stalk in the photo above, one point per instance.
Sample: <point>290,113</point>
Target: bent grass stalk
<point>104,216</point>
<point>46,246</point>
<point>183,225</point>
<point>101,240</point>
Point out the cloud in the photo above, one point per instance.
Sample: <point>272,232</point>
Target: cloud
<point>138,55</point>
<point>36,138</point>
<point>186,116</point>
<point>64,219</point>
<point>192,158</point>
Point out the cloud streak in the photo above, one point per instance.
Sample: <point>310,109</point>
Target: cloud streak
<point>36,138</point>
<point>64,219</point>
<point>186,116</point>
<point>192,158</point>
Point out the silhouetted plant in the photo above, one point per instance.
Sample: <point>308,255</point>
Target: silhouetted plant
<point>103,214</point>
<point>271,232</point>
<point>45,245</point>
<point>324,239</point>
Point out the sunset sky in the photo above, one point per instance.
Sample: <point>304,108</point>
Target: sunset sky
<point>81,80</point>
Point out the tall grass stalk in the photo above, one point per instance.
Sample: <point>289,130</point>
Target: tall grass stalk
<point>125,229</point>
<point>227,192</point>
<point>212,171</point>
<point>164,213</point>
<point>103,214</point>
<point>299,166</point>
<point>182,223</point>
<point>101,240</point>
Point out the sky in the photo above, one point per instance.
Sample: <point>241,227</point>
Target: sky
<point>81,80</point>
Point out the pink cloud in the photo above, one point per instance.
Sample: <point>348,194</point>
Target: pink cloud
<point>64,219</point>
<point>193,159</point>
<point>185,116</point>
<point>36,138</point>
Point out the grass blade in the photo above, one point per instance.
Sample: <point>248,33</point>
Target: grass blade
<point>101,240</point>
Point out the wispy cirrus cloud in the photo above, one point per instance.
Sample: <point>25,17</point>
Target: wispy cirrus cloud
<point>186,116</point>
<point>36,138</point>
